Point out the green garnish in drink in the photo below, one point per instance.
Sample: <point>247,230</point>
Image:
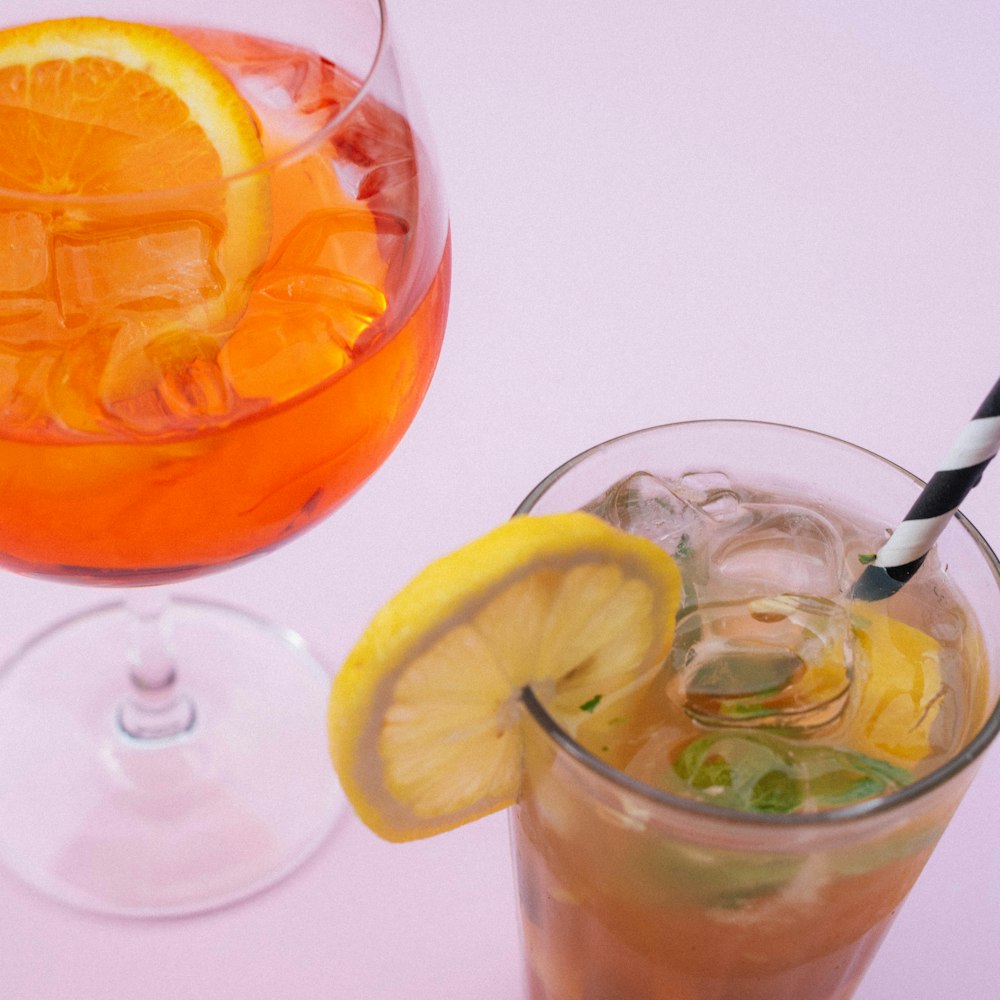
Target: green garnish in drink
<point>762,773</point>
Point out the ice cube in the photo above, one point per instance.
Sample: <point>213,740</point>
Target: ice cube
<point>31,325</point>
<point>713,494</point>
<point>347,245</point>
<point>291,91</point>
<point>136,269</point>
<point>375,153</point>
<point>644,504</point>
<point>24,253</point>
<point>783,549</point>
<point>770,661</point>
<point>23,379</point>
<point>71,397</point>
<point>296,94</point>
<point>297,332</point>
<point>157,377</point>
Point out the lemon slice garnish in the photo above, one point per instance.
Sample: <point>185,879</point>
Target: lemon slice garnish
<point>425,713</point>
<point>899,690</point>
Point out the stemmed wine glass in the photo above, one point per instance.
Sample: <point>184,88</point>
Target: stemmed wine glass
<point>192,372</point>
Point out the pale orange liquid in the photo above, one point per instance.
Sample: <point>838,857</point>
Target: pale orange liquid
<point>248,432</point>
<point>626,897</point>
<point>596,926</point>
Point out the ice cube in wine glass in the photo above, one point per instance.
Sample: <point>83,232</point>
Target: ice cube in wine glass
<point>320,305</point>
<point>138,269</point>
<point>28,324</point>
<point>293,92</point>
<point>24,254</point>
<point>155,308</point>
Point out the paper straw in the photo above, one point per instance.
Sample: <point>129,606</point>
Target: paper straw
<point>907,547</point>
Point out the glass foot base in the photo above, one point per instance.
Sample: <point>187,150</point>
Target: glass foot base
<point>231,793</point>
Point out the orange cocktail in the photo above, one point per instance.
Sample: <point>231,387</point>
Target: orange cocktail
<point>173,397</point>
<point>224,277</point>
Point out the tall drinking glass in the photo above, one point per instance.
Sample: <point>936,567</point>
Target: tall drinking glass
<point>632,890</point>
<point>193,372</point>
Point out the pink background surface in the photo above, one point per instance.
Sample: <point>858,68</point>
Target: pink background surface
<point>662,210</point>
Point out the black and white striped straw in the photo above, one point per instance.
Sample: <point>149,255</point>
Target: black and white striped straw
<point>907,547</point>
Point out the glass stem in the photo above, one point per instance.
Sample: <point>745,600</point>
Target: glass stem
<point>154,708</point>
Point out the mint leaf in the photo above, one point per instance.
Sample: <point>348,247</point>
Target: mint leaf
<point>750,772</point>
<point>763,773</point>
<point>710,771</point>
<point>843,777</point>
<point>683,549</point>
<point>776,792</point>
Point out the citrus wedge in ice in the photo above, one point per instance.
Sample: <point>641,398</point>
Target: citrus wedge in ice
<point>898,690</point>
<point>113,134</point>
<point>425,713</point>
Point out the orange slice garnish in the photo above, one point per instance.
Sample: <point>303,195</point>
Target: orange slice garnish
<point>152,253</point>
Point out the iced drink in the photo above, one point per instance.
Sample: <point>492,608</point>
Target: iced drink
<point>745,823</point>
<point>160,416</point>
